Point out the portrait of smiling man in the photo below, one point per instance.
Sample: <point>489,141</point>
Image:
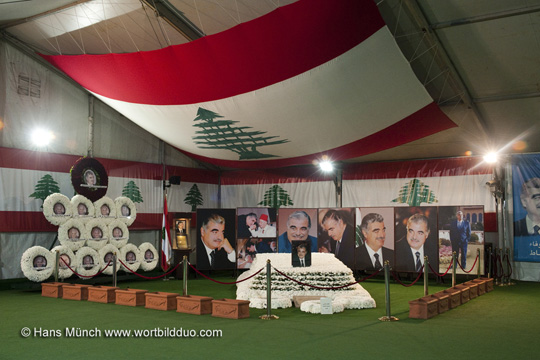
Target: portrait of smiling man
<point>214,250</point>
<point>372,254</point>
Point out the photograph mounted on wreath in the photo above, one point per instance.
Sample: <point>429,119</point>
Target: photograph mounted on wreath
<point>89,178</point>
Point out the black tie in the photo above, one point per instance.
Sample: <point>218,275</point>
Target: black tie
<point>337,248</point>
<point>213,259</point>
<point>377,262</point>
<point>302,263</point>
<point>418,262</point>
<point>536,229</point>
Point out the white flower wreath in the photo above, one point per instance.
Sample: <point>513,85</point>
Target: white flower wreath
<point>88,262</point>
<point>37,263</point>
<point>118,238</point>
<point>68,256</point>
<point>277,303</point>
<point>105,203</point>
<point>61,204</point>
<point>79,202</point>
<point>149,256</point>
<point>102,235</point>
<point>125,210</point>
<point>130,256</point>
<point>314,307</point>
<point>72,242</point>
<point>105,255</point>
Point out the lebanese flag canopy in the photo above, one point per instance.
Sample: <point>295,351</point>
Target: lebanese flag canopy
<point>313,78</point>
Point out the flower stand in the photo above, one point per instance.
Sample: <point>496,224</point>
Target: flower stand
<point>130,297</point>
<point>230,308</point>
<point>160,300</point>
<point>52,289</point>
<point>75,292</point>
<point>102,294</point>
<point>192,304</point>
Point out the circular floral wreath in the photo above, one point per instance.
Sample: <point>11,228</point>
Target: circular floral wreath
<point>103,252</point>
<point>132,263</point>
<point>68,256</point>
<point>149,256</point>
<point>79,200</point>
<point>37,263</point>
<point>92,267</point>
<point>84,166</point>
<point>121,203</point>
<point>63,234</point>
<point>97,243</point>
<point>50,203</point>
<point>118,242</point>
<point>109,203</point>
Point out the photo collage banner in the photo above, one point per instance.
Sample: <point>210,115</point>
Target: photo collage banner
<point>363,238</point>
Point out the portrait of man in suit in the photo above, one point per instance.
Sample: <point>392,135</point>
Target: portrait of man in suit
<point>460,235</point>
<point>247,224</point>
<point>530,200</point>
<point>339,227</point>
<point>417,243</point>
<point>301,254</point>
<point>214,251</point>
<point>298,228</point>
<point>372,254</point>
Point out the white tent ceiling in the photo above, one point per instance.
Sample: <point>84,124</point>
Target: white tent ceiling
<point>479,60</point>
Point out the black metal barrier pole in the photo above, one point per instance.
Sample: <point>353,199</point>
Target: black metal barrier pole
<point>388,317</point>
<point>185,275</point>
<point>268,315</point>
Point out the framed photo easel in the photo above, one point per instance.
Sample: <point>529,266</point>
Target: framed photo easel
<point>181,231</point>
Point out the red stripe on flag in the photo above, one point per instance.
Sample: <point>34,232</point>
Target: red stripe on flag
<point>272,48</point>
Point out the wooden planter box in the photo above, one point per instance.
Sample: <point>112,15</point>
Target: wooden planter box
<point>230,309</point>
<point>444,301</point>
<point>473,289</point>
<point>52,289</point>
<point>192,304</point>
<point>160,300</point>
<point>455,297</point>
<point>75,292</point>
<point>423,308</point>
<point>130,297</point>
<point>102,294</point>
<point>481,286</point>
<point>489,283</point>
<point>465,293</point>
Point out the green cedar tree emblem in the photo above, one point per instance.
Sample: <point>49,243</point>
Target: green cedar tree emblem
<point>45,187</point>
<point>414,193</point>
<point>131,190</point>
<point>275,197</point>
<point>224,135</point>
<point>194,197</point>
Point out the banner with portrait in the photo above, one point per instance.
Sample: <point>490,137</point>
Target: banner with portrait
<point>526,199</point>
<point>216,248</point>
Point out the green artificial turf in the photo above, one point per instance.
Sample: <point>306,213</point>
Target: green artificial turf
<point>501,324</point>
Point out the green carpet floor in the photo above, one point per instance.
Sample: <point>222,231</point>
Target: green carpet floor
<point>502,324</point>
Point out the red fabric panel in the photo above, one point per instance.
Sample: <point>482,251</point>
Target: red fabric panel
<point>427,121</point>
<point>490,222</point>
<point>282,44</point>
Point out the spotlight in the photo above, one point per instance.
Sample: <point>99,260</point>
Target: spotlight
<point>326,166</point>
<point>491,158</point>
<point>42,137</point>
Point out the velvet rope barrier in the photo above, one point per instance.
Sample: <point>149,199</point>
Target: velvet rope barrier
<point>221,282</point>
<point>150,277</point>
<point>326,288</point>
<point>441,275</point>
<point>475,260</point>
<point>86,276</point>
<point>411,284</point>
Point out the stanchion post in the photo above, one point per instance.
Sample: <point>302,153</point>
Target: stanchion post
<point>388,317</point>
<point>185,275</point>
<point>56,265</point>
<point>454,269</point>
<point>479,262</point>
<point>510,282</point>
<point>502,281</point>
<point>114,270</point>
<point>426,276</point>
<point>268,315</point>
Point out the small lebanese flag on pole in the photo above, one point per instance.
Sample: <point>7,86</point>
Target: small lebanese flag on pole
<point>166,245</point>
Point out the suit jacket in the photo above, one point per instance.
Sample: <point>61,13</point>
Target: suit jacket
<point>363,261</point>
<point>460,234</point>
<point>221,260</point>
<point>296,260</point>
<point>405,261</point>
<point>520,228</point>
<point>346,248</point>
<point>243,230</point>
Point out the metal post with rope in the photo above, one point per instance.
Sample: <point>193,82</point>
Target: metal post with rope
<point>268,315</point>
<point>426,276</point>
<point>388,316</point>
<point>184,276</point>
